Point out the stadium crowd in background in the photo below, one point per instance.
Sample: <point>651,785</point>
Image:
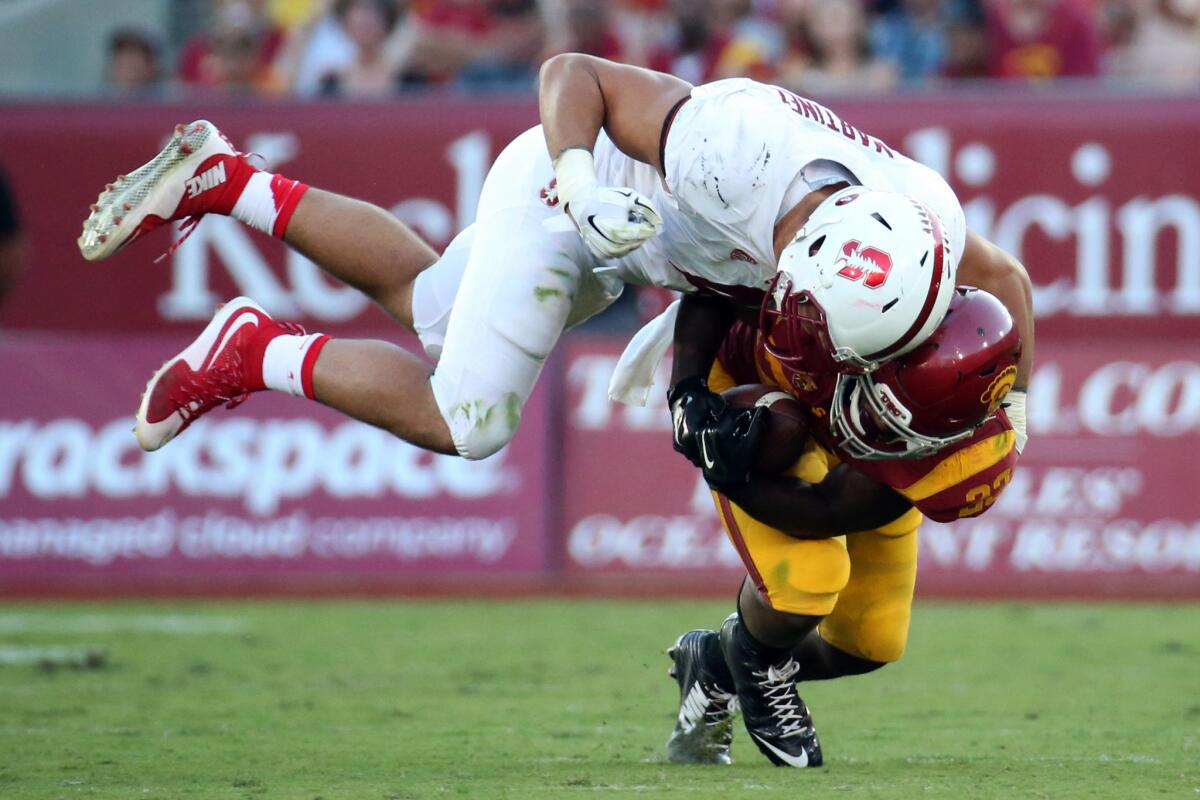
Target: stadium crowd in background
<point>377,48</point>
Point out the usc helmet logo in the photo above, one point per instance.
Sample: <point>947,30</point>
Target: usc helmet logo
<point>998,388</point>
<point>804,382</point>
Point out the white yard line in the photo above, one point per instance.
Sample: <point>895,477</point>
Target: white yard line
<point>37,622</point>
<point>32,654</point>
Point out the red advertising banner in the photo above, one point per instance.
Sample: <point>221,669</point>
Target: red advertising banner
<point>1097,195</point>
<point>279,490</point>
<point>1103,502</point>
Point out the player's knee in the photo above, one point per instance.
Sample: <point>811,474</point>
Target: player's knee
<point>483,428</point>
<point>481,422</point>
<point>482,441</point>
<point>883,650</point>
<point>810,585</point>
<point>819,567</point>
<point>880,639</point>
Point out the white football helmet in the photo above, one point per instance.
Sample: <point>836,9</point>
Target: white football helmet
<point>869,277</point>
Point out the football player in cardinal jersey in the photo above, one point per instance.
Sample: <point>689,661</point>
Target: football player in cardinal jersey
<point>830,548</point>
<point>632,177</point>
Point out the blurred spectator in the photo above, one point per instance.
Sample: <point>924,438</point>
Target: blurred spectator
<point>755,41</point>
<point>1156,39</point>
<point>236,53</point>
<point>912,38</point>
<point>923,40</point>
<point>482,44</point>
<point>642,26</point>
<point>316,48</point>
<point>12,251</point>
<point>582,26</point>
<point>829,48</point>
<point>133,63</point>
<point>294,14</point>
<point>693,45</point>
<point>966,41</point>
<point>370,72</point>
<point>1041,39</point>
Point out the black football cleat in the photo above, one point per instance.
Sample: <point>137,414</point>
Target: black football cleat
<point>704,728</point>
<point>775,716</point>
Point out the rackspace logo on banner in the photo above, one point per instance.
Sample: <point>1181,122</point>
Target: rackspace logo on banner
<point>259,463</point>
<point>258,491</point>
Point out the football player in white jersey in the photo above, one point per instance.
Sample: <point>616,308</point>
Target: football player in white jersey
<point>751,200</point>
<point>737,179</point>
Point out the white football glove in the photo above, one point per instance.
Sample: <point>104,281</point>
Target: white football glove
<point>612,221</point>
<point>1014,406</point>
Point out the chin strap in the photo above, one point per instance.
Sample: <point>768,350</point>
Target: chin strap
<point>1014,406</point>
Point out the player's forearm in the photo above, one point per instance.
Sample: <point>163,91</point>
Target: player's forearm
<point>570,103</point>
<point>700,328</point>
<point>839,505</point>
<point>1013,288</point>
<point>987,267</point>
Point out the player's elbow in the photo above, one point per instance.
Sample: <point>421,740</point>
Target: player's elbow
<point>989,267</point>
<point>556,67</point>
<point>1012,272</point>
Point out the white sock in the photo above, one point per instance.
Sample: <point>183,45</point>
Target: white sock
<point>256,205</point>
<point>283,362</point>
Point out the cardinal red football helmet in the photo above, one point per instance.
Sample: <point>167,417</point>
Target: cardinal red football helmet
<point>937,394</point>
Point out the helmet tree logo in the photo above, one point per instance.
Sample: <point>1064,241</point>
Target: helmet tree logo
<point>998,388</point>
<point>869,264</point>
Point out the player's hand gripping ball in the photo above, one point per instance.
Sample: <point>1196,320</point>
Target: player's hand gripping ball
<point>785,429</point>
<point>693,407</point>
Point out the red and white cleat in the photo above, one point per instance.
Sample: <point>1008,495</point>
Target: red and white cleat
<point>221,367</point>
<point>197,173</point>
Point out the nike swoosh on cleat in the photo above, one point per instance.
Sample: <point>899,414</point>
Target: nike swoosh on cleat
<point>232,326</point>
<point>709,462</point>
<point>787,758</point>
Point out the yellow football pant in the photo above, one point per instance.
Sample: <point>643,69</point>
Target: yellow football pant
<point>862,584</point>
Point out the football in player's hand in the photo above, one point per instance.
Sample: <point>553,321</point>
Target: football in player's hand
<point>786,429</point>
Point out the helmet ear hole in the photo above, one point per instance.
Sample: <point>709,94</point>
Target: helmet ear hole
<point>815,247</point>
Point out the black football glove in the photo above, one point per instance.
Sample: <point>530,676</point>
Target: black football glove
<point>693,406</point>
<point>729,445</point>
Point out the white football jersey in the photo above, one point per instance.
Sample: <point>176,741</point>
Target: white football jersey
<point>738,156</point>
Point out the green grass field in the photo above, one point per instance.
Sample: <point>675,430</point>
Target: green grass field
<point>571,700</point>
